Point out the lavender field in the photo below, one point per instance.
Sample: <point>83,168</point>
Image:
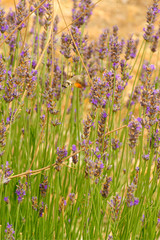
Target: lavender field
<point>79,125</point>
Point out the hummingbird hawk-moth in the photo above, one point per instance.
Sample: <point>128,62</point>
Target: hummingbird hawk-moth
<point>76,81</point>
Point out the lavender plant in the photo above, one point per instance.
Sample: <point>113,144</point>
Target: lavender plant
<point>78,163</point>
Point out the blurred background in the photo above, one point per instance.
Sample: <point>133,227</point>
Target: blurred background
<point>129,15</point>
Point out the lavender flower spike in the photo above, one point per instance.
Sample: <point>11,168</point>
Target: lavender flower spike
<point>9,232</point>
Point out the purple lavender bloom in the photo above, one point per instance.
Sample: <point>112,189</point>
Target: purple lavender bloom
<point>97,153</point>
<point>34,203</point>
<point>72,197</point>
<point>158,220</point>
<point>134,49</point>
<point>34,64</point>
<point>131,204</point>
<point>90,142</point>
<point>2,73</point>
<point>3,23</point>
<point>102,44</point>
<point>20,191</point>
<point>130,195</point>
<point>43,186</point>
<point>131,48</point>
<point>151,102</point>
<point>62,153</point>
<point>94,101</point>
<point>55,123</point>
<point>115,48</point>
<point>62,204</point>
<point>115,143</point>
<point>110,237</point>
<point>42,209</point>
<point>134,131</point>
<point>95,169</point>
<point>7,170</point>
<point>131,200</point>
<point>78,10</point>
<point>10,90</point>
<point>74,157</point>
<point>80,42</point>
<point>158,167</point>
<point>154,43</point>
<point>9,232</point>
<point>6,199</point>
<point>105,189</point>
<point>10,118</point>
<point>150,97</point>
<point>101,165</point>
<point>104,115</point>
<point>66,45</point>
<point>31,79</point>
<point>74,148</point>
<point>55,25</point>
<point>115,206</point>
<point>86,130</point>
<point>141,121</point>
<point>151,18</point>
<point>21,13</point>
<point>155,139</point>
<point>147,72</point>
<point>143,218</point>
<point>42,117</point>
<point>101,141</point>
<point>90,168</point>
<point>53,39</point>
<point>136,201</point>
<point>146,157</point>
